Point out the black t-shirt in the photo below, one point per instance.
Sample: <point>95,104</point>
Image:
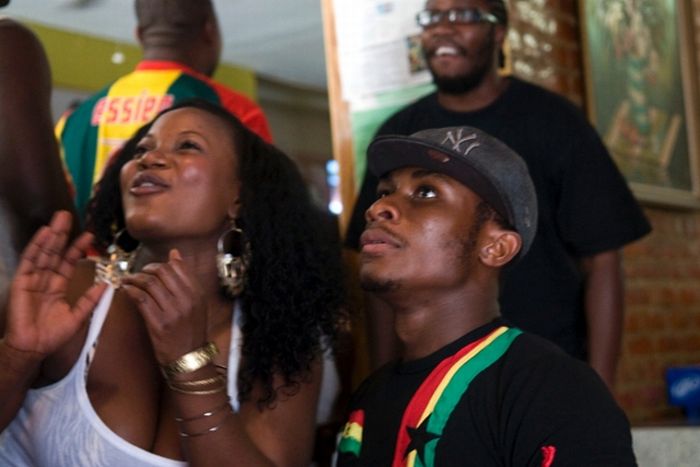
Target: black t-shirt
<point>584,204</point>
<point>531,403</point>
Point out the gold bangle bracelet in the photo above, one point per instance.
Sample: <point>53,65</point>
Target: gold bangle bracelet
<point>191,361</point>
<point>213,429</point>
<point>199,382</point>
<point>226,405</point>
<point>198,392</point>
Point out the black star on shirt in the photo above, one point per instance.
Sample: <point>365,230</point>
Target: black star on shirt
<point>420,436</point>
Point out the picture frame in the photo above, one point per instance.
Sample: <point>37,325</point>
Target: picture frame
<point>642,94</point>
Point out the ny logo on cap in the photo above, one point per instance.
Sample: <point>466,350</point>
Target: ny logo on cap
<point>458,140</point>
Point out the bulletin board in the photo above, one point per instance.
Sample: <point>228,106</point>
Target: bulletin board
<point>374,68</point>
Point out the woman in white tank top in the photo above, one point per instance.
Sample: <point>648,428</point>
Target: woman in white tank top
<point>187,356</point>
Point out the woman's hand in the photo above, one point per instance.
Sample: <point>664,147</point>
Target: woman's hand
<point>39,319</point>
<point>173,306</point>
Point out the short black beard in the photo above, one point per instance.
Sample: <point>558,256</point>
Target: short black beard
<point>456,85</point>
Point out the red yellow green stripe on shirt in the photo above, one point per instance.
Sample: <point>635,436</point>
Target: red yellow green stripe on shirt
<point>438,395</point>
<point>351,438</point>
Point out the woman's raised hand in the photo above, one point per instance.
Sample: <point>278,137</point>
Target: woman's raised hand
<point>39,319</point>
<point>172,304</point>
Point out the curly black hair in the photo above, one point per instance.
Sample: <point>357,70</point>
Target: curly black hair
<point>293,301</point>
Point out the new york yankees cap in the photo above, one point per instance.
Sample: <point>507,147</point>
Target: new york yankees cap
<point>471,156</point>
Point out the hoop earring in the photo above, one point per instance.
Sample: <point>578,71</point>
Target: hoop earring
<point>117,264</point>
<point>233,267</point>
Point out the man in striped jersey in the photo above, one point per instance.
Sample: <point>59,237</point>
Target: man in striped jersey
<point>455,207</point>
<point>181,45</point>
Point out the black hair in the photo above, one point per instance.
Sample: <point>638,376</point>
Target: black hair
<point>293,301</point>
<point>485,212</point>
<point>499,9</point>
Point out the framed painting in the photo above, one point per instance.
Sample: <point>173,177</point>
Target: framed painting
<point>642,93</point>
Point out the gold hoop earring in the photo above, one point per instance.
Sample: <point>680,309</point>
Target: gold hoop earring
<point>117,264</point>
<point>233,266</point>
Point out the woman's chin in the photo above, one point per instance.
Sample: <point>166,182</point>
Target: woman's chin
<point>144,229</point>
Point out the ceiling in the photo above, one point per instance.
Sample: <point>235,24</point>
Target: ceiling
<point>278,39</point>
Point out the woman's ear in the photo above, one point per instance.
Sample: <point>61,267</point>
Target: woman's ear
<point>500,247</point>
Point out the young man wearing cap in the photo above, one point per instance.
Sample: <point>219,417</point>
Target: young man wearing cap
<point>456,207</point>
<point>568,288</point>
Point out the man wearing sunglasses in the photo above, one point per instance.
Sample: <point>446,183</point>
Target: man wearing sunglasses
<point>568,288</point>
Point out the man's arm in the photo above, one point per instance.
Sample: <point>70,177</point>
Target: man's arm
<point>603,302</point>
<point>32,182</point>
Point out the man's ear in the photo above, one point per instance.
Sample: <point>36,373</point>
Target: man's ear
<point>500,247</point>
<point>234,208</point>
<point>138,32</point>
<point>210,31</point>
<point>501,32</point>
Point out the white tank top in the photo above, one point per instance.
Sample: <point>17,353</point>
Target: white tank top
<point>58,427</point>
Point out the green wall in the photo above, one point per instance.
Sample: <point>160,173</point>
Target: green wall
<point>84,62</point>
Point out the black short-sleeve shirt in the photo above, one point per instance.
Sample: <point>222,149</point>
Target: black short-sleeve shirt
<point>531,405</point>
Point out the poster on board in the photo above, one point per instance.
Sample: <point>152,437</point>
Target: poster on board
<point>381,66</point>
